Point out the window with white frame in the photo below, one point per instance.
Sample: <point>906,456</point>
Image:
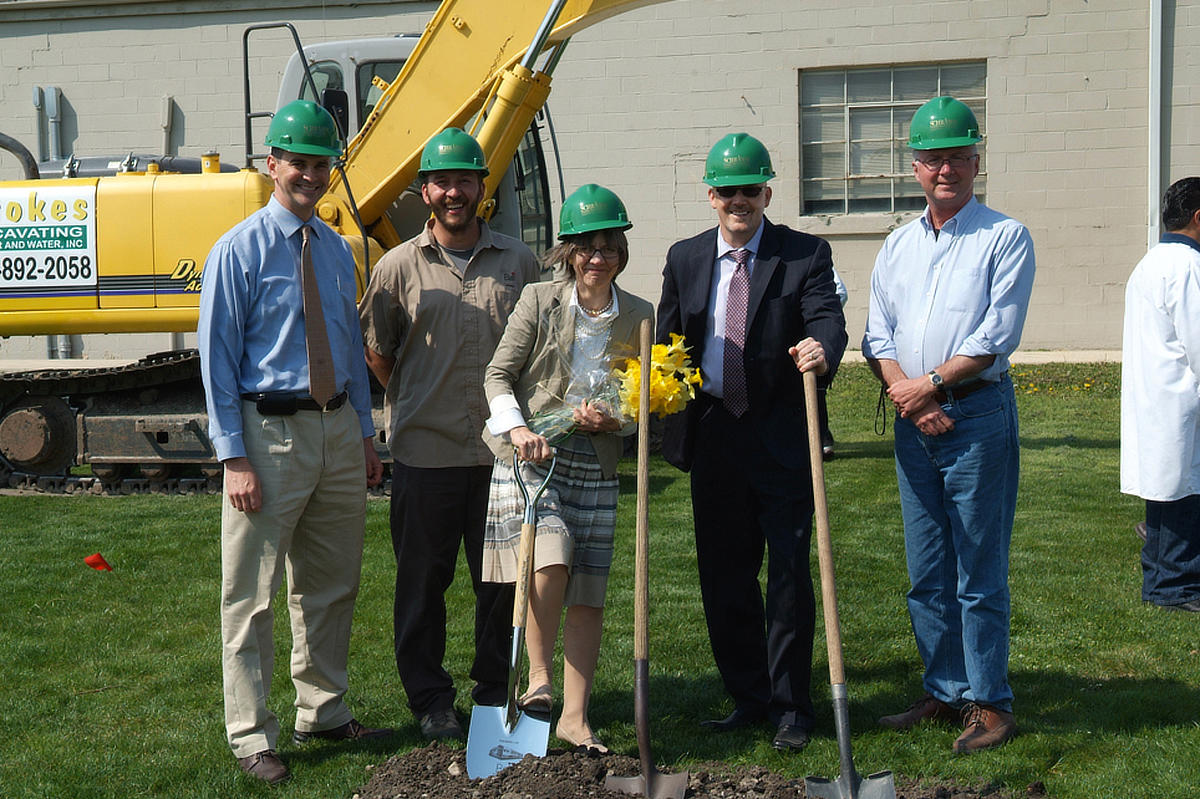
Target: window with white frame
<point>854,133</point>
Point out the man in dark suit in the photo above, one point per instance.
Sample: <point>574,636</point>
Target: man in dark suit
<point>756,303</point>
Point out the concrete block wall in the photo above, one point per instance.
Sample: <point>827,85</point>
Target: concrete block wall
<point>639,99</point>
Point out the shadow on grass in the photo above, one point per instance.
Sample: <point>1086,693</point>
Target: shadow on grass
<point>1054,442</point>
<point>1047,702</point>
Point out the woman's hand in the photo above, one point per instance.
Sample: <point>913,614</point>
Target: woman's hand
<point>529,445</point>
<point>593,419</point>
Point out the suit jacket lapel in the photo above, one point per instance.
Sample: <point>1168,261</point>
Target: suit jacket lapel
<point>694,296</point>
<point>765,264</point>
<point>623,328</point>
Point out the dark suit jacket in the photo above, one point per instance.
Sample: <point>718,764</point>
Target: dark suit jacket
<point>792,296</point>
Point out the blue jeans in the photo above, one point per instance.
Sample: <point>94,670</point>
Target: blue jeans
<point>958,493</point>
<point>1171,554</point>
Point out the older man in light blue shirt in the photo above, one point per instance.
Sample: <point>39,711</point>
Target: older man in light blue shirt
<point>948,300</point>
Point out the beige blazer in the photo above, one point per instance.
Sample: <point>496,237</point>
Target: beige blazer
<point>532,361</point>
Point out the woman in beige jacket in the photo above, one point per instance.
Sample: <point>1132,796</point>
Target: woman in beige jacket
<point>561,342</point>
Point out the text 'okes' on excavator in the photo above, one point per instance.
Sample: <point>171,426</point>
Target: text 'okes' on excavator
<point>95,252</point>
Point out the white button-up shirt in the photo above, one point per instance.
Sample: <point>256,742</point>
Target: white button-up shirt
<point>1160,373</point>
<point>712,362</point>
<point>961,291</point>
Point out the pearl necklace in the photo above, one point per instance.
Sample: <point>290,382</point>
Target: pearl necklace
<point>599,311</point>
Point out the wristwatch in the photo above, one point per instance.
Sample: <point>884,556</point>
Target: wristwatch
<point>935,378</point>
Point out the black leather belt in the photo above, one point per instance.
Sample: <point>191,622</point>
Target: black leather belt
<point>943,395</point>
<point>281,403</point>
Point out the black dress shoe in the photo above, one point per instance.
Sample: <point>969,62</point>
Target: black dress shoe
<point>739,718</point>
<point>350,731</point>
<point>790,737</point>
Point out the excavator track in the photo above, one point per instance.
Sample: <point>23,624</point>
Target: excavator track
<point>146,416</point>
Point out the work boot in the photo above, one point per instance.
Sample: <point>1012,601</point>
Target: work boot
<point>984,726</point>
<point>927,707</point>
<point>441,724</point>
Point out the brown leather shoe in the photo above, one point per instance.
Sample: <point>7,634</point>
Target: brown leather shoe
<point>350,731</point>
<point>927,707</point>
<point>984,726</point>
<point>266,766</point>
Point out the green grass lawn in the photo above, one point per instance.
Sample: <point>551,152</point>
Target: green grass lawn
<point>113,685</point>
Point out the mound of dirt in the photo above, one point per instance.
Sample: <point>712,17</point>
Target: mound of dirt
<point>440,772</point>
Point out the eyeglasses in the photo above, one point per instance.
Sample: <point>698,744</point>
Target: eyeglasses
<point>607,253</point>
<point>749,192</point>
<point>955,162</point>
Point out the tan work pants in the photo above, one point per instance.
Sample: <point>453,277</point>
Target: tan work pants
<point>313,480</point>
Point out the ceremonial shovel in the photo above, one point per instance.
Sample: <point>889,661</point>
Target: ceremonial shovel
<point>500,736</point>
<point>652,782</point>
<point>848,785</point>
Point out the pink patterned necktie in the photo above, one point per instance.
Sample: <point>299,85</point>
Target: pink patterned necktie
<point>737,397</point>
<point>321,382</point>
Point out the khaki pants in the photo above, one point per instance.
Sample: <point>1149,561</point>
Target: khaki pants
<point>313,478</point>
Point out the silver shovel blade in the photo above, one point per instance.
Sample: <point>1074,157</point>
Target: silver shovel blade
<point>879,785</point>
<point>493,747</point>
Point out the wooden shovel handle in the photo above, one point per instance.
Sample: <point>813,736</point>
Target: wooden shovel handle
<point>641,567</point>
<point>833,629</point>
<point>524,572</point>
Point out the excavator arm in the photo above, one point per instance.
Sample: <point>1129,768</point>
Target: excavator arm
<point>472,58</point>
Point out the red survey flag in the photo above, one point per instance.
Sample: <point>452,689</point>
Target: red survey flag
<point>97,562</point>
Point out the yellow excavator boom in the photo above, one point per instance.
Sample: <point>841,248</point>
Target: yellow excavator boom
<point>471,58</point>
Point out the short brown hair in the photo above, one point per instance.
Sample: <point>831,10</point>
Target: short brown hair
<point>564,251</point>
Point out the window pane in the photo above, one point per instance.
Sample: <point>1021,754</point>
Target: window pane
<point>822,126</point>
<point>919,83</point>
<point>327,75</point>
<point>870,123</point>
<point>823,87</point>
<point>824,197</point>
<point>824,161</point>
<point>977,108</point>
<point>964,80</point>
<point>870,196</point>
<point>368,92</point>
<point>870,158</point>
<point>869,85</point>
<point>910,202</point>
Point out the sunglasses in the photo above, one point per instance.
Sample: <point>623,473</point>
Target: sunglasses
<point>748,192</point>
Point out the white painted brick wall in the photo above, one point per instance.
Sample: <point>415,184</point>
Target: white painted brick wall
<point>639,99</point>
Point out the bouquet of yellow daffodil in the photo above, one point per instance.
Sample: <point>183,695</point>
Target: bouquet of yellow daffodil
<point>673,380</point>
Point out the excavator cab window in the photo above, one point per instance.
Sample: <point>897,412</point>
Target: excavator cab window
<point>368,92</point>
<point>327,75</point>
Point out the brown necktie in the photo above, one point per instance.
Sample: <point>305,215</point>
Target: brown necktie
<point>737,397</point>
<point>321,384</point>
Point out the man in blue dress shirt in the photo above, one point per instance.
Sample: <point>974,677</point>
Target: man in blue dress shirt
<point>289,413</point>
<point>948,300</point>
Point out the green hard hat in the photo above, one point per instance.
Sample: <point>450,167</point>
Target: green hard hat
<point>942,123</point>
<point>589,208</point>
<point>452,149</point>
<point>738,159</point>
<point>302,126</point>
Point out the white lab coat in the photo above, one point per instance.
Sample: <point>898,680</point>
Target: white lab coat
<point>1160,375</point>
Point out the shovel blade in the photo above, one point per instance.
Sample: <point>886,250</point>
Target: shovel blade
<point>879,785</point>
<point>493,747</point>
<point>661,786</point>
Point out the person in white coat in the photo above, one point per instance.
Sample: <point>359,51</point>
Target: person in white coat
<point>1160,401</point>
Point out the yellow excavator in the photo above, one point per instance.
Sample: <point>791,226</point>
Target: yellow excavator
<point>125,252</point>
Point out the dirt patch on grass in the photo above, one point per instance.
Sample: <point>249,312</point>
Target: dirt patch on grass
<point>440,772</point>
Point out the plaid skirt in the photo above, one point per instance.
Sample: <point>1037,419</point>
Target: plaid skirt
<point>576,517</point>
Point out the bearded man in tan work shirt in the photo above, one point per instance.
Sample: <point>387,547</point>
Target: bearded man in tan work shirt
<point>431,318</point>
